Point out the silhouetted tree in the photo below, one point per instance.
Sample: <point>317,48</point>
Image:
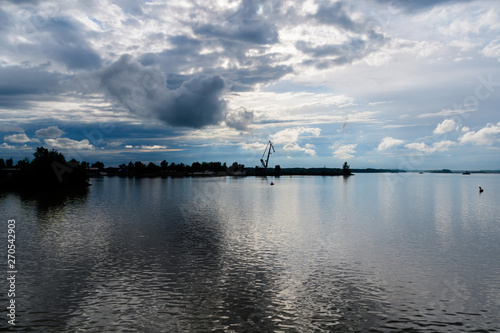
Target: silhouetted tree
<point>98,165</point>
<point>151,168</point>
<point>234,167</point>
<point>139,167</point>
<point>277,170</point>
<point>9,163</point>
<point>260,171</point>
<point>346,169</point>
<point>42,154</point>
<point>73,163</point>
<point>196,167</point>
<point>24,163</point>
<point>49,169</point>
<point>2,163</point>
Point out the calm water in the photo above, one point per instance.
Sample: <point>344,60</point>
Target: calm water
<point>380,252</point>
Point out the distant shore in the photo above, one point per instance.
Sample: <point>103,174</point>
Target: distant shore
<point>117,172</point>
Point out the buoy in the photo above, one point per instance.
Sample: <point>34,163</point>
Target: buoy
<point>272,183</point>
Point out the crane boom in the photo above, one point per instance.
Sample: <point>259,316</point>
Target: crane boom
<point>269,146</point>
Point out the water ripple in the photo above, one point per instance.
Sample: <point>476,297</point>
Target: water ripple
<point>234,255</point>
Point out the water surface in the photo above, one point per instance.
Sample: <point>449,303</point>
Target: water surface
<point>376,252</point>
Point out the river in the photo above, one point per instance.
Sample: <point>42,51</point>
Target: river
<point>380,252</point>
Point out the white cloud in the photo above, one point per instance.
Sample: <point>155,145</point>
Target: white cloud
<point>6,146</point>
<point>154,147</point>
<point>65,143</point>
<point>19,138</point>
<point>401,126</point>
<point>465,129</point>
<point>419,146</point>
<point>295,147</point>
<point>50,132</point>
<point>378,103</point>
<point>149,148</point>
<point>389,142</point>
<point>344,152</point>
<point>488,135</point>
<point>443,145</point>
<point>289,137</point>
<point>492,50</point>
<point>445,113</point>
<point>254,146</point>
<point>115,144</point>
<point>436,146</point>
<point>446,126</point>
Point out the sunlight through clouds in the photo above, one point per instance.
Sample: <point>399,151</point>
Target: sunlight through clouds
<point>377,76</point>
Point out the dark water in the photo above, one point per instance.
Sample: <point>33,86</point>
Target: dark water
<point>310,254</point>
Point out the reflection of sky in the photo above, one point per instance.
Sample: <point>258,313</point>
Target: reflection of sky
<point>379,84</point>
<point>309,252</point>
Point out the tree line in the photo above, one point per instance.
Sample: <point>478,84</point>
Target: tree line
<point>139,167</point>
<point>50,168</point>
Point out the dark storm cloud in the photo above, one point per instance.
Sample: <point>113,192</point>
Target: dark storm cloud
<point>325,56</point>
<point>244,79</point>
<point>335,14</point>
<point>182,53</point>
<point>130,6</point>
<point>63,41</point>
<point>225,38</point>
<point>240,119</point>
<point>352,47</point>
<point>186,51</point>
<point>249,23</point>
<point>253,31</point>
<point>363,39</point>
<point>20,85</point>
<point>196,103</point>
<point>70,46</point>
<point>4,20</point>
<point>183,44</point>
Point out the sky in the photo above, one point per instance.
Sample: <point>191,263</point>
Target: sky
<point>377,83</point>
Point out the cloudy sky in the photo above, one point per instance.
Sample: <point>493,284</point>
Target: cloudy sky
<point>378,83</point>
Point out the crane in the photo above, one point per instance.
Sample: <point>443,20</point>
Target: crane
<point>269,146</point>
